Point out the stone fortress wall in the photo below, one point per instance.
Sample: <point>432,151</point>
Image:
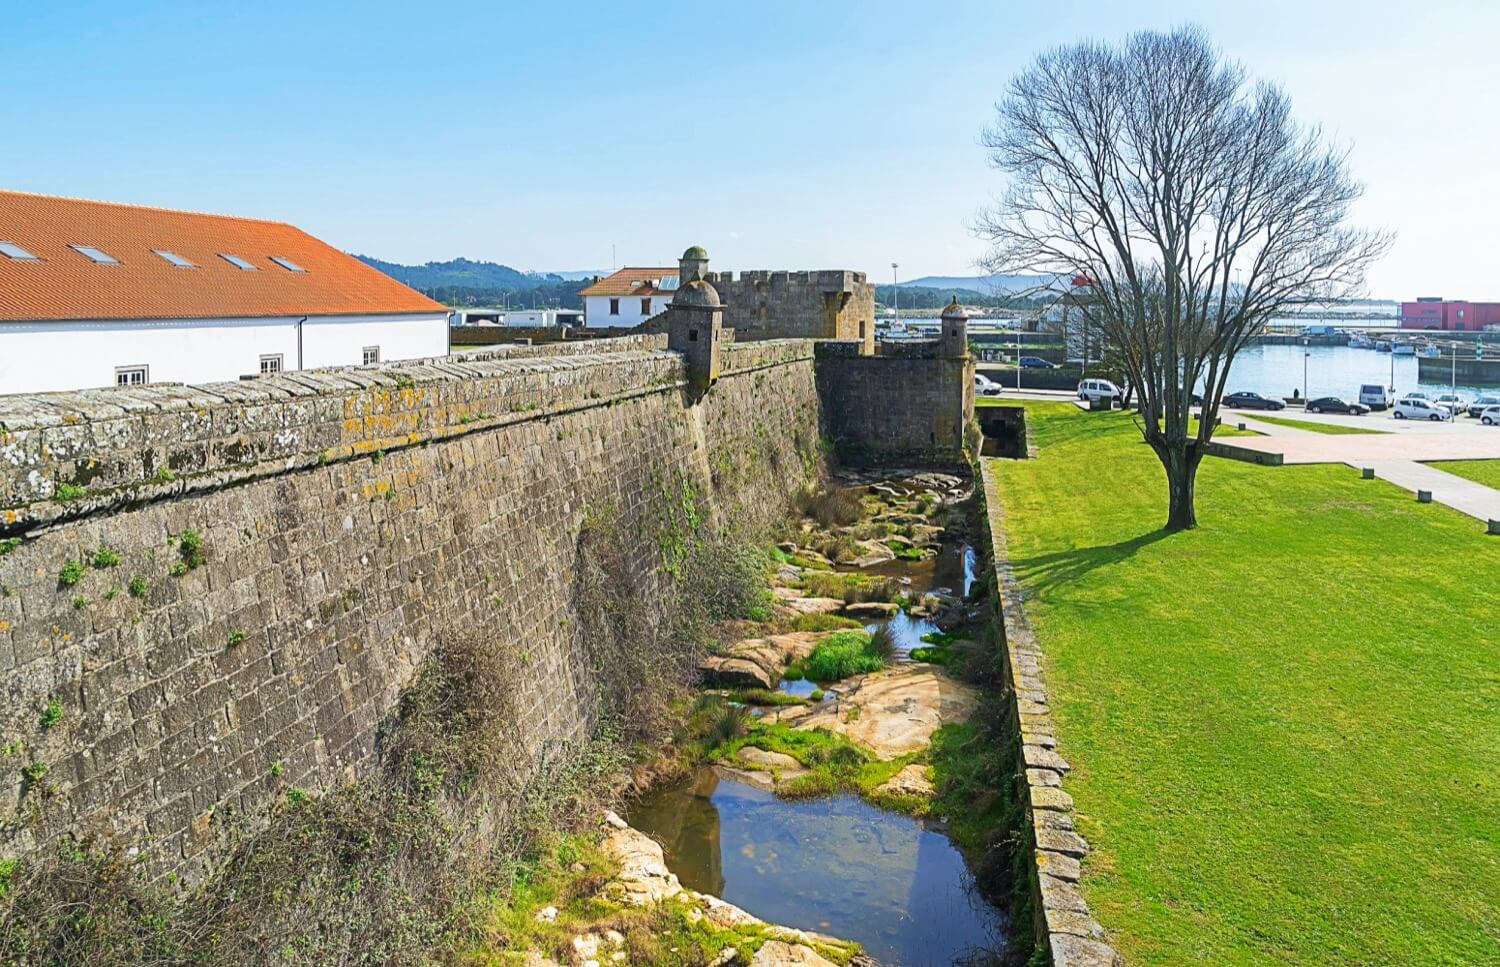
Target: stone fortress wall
<point>829,304</point>
<point>210,594</point>
<point>344,520</point>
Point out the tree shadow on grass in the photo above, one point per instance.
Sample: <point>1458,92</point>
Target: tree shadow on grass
<point>1044,573</point>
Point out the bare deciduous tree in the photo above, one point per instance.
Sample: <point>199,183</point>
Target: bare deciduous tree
<point>1191,201</point>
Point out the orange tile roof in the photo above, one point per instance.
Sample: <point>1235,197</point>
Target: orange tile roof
<point>64,284</point>
<point>631,280</point>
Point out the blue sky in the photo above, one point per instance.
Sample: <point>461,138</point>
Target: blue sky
<point>779,135</point>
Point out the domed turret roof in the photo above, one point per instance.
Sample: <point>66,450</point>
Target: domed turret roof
<point>954,311</point>
<point>697,294</point>
<point>696,252</point>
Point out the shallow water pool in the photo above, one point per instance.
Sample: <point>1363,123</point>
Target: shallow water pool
<point>836,865</point>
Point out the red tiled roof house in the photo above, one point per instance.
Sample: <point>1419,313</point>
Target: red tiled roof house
<point>96,294</point>
<point>628,297</point>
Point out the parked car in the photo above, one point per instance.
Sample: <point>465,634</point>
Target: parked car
<point>1453,402</point>
<point>984,386</point>
<point>1373,396</point>
<point>1094,389</point>
<point>1482,403</point>
<point>1251,401</point>
<point>1332,404</point>
<point>1490,415</point>
<point>1036,362</point>
<point>1416,408</point>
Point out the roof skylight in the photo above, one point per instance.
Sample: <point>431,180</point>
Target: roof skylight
<point>174,258</point>
<point>287,264</point>
<point>13,251</point>
<point>97,255</point>
<point>237,262</point>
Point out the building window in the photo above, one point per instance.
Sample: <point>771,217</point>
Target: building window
<point>614,307</point>
<point>95,255</point>
<point>370,355</point>
<point>645,307</point>
<point>131,376</point>
<point>270,364</point>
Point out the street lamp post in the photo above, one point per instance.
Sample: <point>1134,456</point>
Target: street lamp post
<point>895,292</point>
<point>1017,334</point>
<point>1305,354</point>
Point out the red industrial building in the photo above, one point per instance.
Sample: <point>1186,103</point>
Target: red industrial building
<point>1449,315</point>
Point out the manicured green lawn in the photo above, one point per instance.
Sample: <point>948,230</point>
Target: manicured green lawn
<point>1486,472</point>
<point>1333,428</point>
<point>1286,747</point>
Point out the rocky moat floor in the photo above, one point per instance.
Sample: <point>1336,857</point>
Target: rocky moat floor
<point>844,680</point>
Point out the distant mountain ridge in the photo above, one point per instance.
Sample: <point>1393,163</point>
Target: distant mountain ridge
<point>991,284</point>
<point>469,274</point>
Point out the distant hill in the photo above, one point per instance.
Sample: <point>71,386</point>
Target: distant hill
<point>464,273</point>
<point>989,284</point>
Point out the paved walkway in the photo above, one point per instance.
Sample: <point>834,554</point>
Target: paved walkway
<point>1397,454</point>
<point>1466,496</point>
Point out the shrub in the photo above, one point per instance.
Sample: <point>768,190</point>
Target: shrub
<point>826,584</point>
<point>190,546</point>
<point>236,636</point>
<point>9,544</point>
<point>728,721</point>
<point>52,714</point>
<point>878,589</point>
<point>840,655</point>
<point>164,474</point>
<point>882,643</point>
<point>70,574</point>
<point>106,557</point>
<point>67,491</point>
<point>137,586</point>
<point>836,507</point>
<point>823,622</point>
<point>841,548</point>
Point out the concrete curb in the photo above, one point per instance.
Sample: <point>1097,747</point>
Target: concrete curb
<point>1072,935</point>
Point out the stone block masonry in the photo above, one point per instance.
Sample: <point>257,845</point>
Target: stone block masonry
<point>343,520</point>
<point>830,304</point>
<point>910,407</point>
<point>1062,922</point>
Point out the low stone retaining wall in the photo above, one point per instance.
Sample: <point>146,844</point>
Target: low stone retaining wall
<point>1229,451</point>
<point>1062,923</point>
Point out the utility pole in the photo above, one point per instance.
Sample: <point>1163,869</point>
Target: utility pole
<point>1305,354</point>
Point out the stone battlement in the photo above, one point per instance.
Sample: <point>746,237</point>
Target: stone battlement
<point>827,280</point>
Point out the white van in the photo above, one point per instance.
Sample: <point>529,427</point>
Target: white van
<point>1373,396</point>
<point>1095,389</point>
<point>984,386</point>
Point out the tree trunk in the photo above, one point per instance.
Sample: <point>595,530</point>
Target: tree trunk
<point>1181,463</point>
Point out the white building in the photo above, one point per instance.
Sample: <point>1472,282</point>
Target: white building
<point>525,318</point>
<point>628,297</point>
<point>99,294</point>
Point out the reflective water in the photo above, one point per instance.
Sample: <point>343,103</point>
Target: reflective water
<point>835,865</point>
<point>800,687</point>
<point>1331,371</point>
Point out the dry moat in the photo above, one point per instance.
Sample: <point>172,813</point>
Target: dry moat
<point>838,734</point>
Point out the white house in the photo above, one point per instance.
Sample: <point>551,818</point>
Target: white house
<point>628,297</point>
<point>98,294</point>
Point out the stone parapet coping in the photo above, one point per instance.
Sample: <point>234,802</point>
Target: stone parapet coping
<point>1073,937</point>
<point>128,445</point>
